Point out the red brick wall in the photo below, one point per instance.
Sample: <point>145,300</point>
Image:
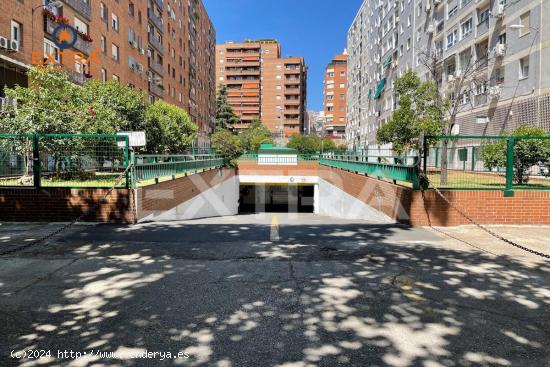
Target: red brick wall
<point>168,194</point>
<point>60,204</point>
<point>414,208</point>
<point>301,169</point>
<point>486,207</point>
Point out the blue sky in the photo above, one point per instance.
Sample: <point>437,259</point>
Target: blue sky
<point>314,29</point>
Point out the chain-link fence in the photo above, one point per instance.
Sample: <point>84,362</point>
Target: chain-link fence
<point>488,162</point>
<point>62,160</point>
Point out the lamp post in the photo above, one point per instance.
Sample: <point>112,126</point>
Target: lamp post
<point>537,33</point>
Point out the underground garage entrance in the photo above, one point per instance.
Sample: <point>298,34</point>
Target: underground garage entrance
<point>276,198</point>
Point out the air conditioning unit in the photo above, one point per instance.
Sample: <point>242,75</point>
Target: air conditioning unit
<point>13,45</point>
<point>500,11</point>
<point>500,50</point>
<point>431,28</point>
<point>3,42</point>
<point>149,53</point>
<point>134,44</point>
<point>458,73</point>
<point>450,78</point>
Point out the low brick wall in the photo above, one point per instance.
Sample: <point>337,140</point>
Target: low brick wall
<point>483,206</point>
<point>166,195</point>
<point>301,169</point>
<point>422,209</point>
<point>60,204</point>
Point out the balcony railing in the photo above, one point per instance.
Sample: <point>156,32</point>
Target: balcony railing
<point>480,99</point>
<point>81,7</point>
<point>156,67</point>
<point>483,27</point>
<point>155,43</point>
<point>156,89</point>
<point>156,20</point>
<point>76,77</point>
<point>80,44</point>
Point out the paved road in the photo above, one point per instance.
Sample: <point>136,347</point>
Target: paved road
<point>242,291</point>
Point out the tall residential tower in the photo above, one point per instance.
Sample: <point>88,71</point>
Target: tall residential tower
<point>263,85</point>
<point>335,90</point>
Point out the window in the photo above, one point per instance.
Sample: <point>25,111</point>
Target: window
<point>341,96</point>
<point>331,75</point>
<point>342,73</point>
<point>103,44</point>
<point>278,77</point>
<point>481,119</point>
<point>131,9</point>
<point>114,52</point>
<point>131,36</point>
<point>16,34</point>
<point>451,38</point>
<point>103,12</point>
<point>409,21</point>
<point>131,62</point>
<point>103,75</point>
<point>330,108</point>
<point>525,21</point>
<point>330,98</point>
<point>452,11</point>
<point>80,25</point>
<point>524,68</point>
<point>502,39</point>
<point>466,28</point>
<point>408,44</point>
<point>115,77</point>
<point>484,16</point>
<point>51,50</point>
<point>114,22</point>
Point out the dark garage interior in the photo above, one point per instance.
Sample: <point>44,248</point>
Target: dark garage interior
<point>276,198</point>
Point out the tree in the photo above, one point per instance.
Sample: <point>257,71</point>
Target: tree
<point>417,113</point>
<point>168,128</point>
<point>527,153</point>
<point>227,144</point>
<point>309,144</point>
<point>125,112</point>
<point>455,95</point>
<point>256,134</point>
<point>50,105</point>
<point>225,117</point>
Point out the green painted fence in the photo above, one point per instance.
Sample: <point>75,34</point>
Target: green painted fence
<point>389,171</point>
<point>150,169</point>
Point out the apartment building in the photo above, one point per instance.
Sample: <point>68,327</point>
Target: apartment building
<point>334,96</point>
<point>497,46</point>
<point>263,85</point>
<point>163,48</point>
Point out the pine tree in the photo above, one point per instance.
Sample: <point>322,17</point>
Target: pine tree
<point>225,117</point>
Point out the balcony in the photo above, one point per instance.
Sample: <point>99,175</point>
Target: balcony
<point>80,44</point>
<point>156,20</point>
<point>480,99</point>
<point>155,89</point>
<point>160,4</point>
<point>156,67</point>
<point>482,28</point>
<point>76,77</point>
<point>155,43</point>
<point>81,7</point>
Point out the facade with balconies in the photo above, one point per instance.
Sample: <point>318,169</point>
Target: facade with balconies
<point>497,47</point>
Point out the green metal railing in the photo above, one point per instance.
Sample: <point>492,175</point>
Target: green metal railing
<point>150,169</point>
<point>505,163</point>
<point>63,160</point>
<point>390,171</point>
<point>253,156</point>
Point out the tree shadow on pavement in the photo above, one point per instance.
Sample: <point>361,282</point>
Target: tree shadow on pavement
<point>325,295</point>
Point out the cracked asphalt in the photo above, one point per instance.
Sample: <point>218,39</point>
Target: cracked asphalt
<point>220,292</point>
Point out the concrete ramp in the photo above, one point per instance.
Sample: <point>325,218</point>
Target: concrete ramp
<point>335,202</point>
<point>208,194</point>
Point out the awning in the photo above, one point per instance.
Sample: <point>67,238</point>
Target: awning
<point>379,88</point>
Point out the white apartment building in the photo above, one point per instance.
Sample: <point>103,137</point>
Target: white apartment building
<point>507,41</point>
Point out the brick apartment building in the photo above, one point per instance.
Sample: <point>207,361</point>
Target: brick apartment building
<point>334,102</point>
<point>262,85</point>
<point>163,48</point>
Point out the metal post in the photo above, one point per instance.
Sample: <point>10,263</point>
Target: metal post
<point>425,154</point>
<point>508,191</point>
<point>36,161</point>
